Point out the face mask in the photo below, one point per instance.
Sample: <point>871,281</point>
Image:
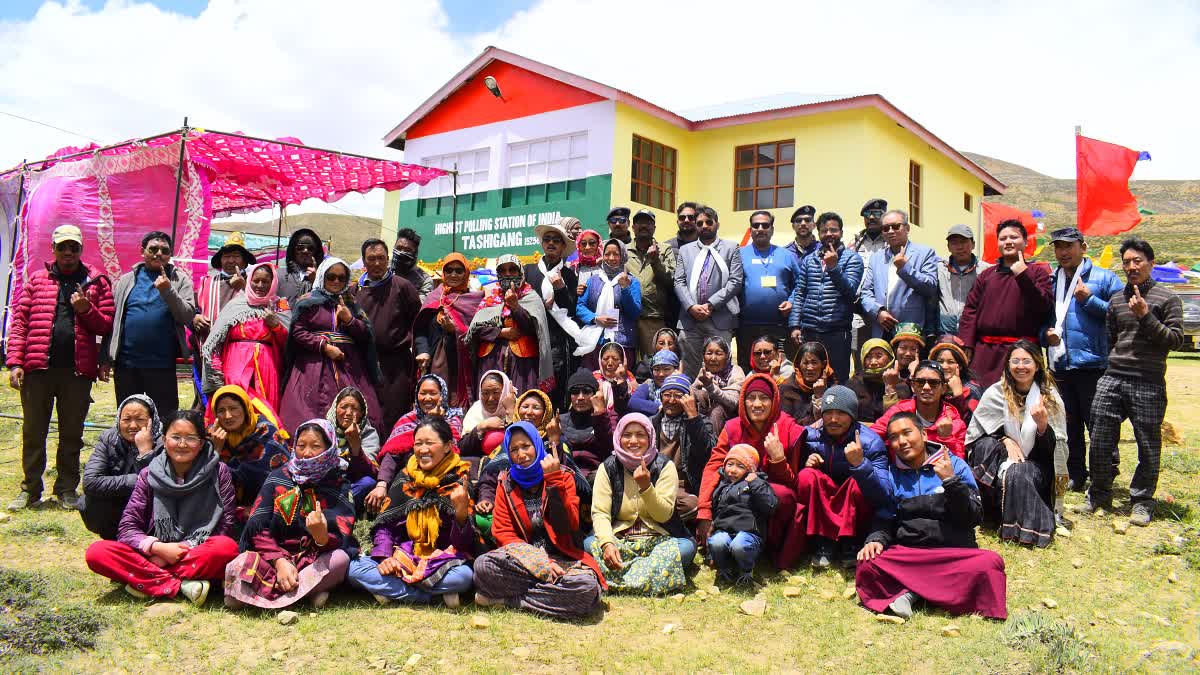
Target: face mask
<point>403,259</point>
<point>507,283</point>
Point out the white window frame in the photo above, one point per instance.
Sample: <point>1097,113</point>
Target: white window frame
<point>553,159</point>
<point>474,170</point>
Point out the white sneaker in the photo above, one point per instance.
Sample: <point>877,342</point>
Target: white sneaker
<point>136,593</point>
<point>452,600</point>
<point>319,599</point>
<point>382,599</point>
<point>484,601</point>
<point>903,605</point>
<point>195,591</point>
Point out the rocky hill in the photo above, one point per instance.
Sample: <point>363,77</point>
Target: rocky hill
<point>344,232</point>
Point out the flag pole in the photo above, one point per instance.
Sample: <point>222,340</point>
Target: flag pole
<point>1078,133</point>
<point>183,134</point>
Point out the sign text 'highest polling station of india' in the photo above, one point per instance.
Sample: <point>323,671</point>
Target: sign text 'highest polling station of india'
<point>484,233</point>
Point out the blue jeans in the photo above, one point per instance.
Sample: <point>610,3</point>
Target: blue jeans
<point>687,548</point>
<point>364,573</point>
<point>741,549</point>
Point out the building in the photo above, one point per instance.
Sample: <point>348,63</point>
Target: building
<point>531,142</point>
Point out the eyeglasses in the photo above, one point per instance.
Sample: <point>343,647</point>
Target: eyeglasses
<point>617,221</point>
<point>874,213</point>
<point>687,218</point>
<point>703,222</point>
<point>71,246</point>
<point>305,247</point>
<point>922,382</point>
<point>895,227</point>
<point>552,239</point>
<point>336,277</point>
<point>184,440</point>
<point>760,226</point>
<point>763,352</point>
<point>1021,362</point>
<point>454,270</point>
<point>158,250</point>
<point>802,219</point>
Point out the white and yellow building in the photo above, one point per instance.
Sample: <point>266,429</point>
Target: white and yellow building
<point>548,143</point>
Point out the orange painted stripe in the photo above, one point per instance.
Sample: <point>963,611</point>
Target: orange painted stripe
<point>525,93</point>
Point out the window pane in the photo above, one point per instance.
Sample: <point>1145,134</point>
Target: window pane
<point>537,151</point>
<point>656,198</point>
<point>644,194</point>
<point>669,181</point>
<point>745,178</point>
<point>579,146</point>
<point>745,200</point>
<point>633,170</point>
<point>784,197</point>
<point>766,153</point>
<point>745,156</point>
<point>560,148</point>
<point>466,162</point>
<point>658,154</point>
<point>646,150</point>
<point>537,174</point>
<point>558,171</point>
<point>578,168</point>
<point>670,159</point>
<point>516,176</point>
<point>764,199</point>
<point>656,177</point>
<point>787,152</point>
<point>787,174</point>
<point>637,147</point>
<point>519,154</point>
<point>633,191</point>
<point>766,176</point>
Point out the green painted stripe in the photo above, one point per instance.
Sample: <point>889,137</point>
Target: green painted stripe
<point>501,221</point>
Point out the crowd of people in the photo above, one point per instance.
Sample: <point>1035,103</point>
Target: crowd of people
<point>605,419</point>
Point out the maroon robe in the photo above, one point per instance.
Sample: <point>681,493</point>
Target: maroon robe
<point>391,306</point>
<point>314,379</point>
<point>1001,309</point>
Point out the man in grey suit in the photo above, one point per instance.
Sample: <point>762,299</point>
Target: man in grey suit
<point>708,281</point>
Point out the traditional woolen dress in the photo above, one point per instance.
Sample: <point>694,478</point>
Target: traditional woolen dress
<point>718,399</point>
<point>449,357</point>
<point>400,441</point>
<point>276,529</point>
<point>536,525</point>
<point>419,530</point>
<point>253,451</point>
<point>526,359</point>
<point>363,467</point>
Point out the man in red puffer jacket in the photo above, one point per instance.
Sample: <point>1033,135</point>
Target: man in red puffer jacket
<point>53,349</point>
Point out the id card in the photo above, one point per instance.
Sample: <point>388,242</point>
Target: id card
<point>768,281</point>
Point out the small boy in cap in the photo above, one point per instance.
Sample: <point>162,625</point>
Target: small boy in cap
<point>741,504</point>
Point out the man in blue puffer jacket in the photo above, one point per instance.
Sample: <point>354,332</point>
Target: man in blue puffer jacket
<point>826,289</point>
<point>1078,340</point>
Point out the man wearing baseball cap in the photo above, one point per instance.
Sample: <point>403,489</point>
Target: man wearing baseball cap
<point>557,283</point>
<point>1077,340</point>
<point>956,275</point>
<point>653,265</point>
<point>53,358</point>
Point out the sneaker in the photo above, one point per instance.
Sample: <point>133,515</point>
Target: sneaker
<point>24,501</point>
<point>1062,521</point>
<point>319,599</point>
<point>902,606</point>
<point>1142,513</point>
<point>68,501</point>
<point>824,555</point>
<point>1076,484</point>
<point>136,593</point>
<point>745,583</point>
<point>195,591</point>
<point>484,601</point>
<point>452,600</point>
<point>382,599</point>
<point>1089,507</point>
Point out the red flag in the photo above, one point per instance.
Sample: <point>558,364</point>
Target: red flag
<point>1104,203</point>
<point>995,213</point>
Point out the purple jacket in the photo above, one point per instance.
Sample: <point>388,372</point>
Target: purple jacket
<point>386,537</point>
<point>138,519</point>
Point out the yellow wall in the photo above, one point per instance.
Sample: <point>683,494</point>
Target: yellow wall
<point>391,216</point>
<point>842,159</point>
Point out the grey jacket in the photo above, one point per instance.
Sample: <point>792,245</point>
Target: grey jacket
<point>725,304</point>
<point>180,299</point>
<point>952,289</point>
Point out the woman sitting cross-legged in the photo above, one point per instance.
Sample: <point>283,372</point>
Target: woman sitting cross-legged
<point>540,566</point>
<point>174,535</point>
<point>294,545</point>
<point>1017,447</point>
<point>923,543</point>
<point>640,540</point>
<point>424,537</point>
<point>117,459</point>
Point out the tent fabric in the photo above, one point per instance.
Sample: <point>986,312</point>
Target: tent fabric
<point>1106,207</point>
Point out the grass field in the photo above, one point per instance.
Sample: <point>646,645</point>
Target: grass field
<point>1098,601</point>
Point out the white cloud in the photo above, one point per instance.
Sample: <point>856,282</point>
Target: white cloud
<point>1004,79</point>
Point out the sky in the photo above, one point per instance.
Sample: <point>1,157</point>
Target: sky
<point>1005,79</point>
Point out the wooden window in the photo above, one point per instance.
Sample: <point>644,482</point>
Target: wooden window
<point>652,174</point>
<point>764,176</point>
<point>914,193</point>
<point>967,202</point>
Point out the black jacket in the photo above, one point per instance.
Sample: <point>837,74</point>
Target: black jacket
<point>694,448</point>
<point>744,506</point>
<point>108,480</point>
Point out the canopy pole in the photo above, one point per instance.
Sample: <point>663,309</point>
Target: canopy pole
<point>15,239</point>
<point>278,234</point>
<point>178,182</point>
<point>63,158</point>
<point>454,210</point>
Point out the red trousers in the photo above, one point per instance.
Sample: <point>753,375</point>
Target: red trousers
<point>120,562</point>
<point>815,507</point>
<point>958,580</point>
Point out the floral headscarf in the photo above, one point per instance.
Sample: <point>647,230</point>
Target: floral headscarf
<point>547,409</point>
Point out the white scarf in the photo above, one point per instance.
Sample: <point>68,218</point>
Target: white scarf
<point>591,336</point>
<point>1062,303</point>
<point>698,266</point>
<point>559,314</point>
<point>1025,431</point>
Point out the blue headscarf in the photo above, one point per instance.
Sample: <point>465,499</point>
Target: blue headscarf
<point>664,357</point>
<point>528,476</point>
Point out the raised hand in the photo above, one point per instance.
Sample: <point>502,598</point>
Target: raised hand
<point>1040,416</point>
<point>272,320</point>
<point>773,445</point>
<point>901,258</point>
<point>237,282</point>
<point>1019,266</point>
<point>599,401</point>
<point>943,467</point>
<point>354,438</point>
<point>553,432</point>
<point>641,476</point>
<point>891,376</point>
<point>1082,292</point>
<point>462,503</point>
<point>79,302</point>
<point>550,462</point>
<point>161,282</point>
<point>555,279</point>
<point>624,280</point>
<point>854,451</point>
<point>819,388</point>
<point>217,435</point>
<point>690,409</point>
<point>945,427</point>
<point>1137,304</point>
<point>652,252</point>
<point>317,526</point>
<point>310,273</point>
<point>343,312</point>
<point>955,384</point>
<point>144,440</point>
<point>829,259</point>
<point>511,299</point>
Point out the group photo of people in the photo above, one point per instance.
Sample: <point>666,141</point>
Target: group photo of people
<point>637,401</point>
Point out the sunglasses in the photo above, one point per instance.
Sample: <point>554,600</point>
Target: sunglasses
<point>893,228</point>
<point>760,226</point>
<point>336,277</point>
<point>802,219</point>
<point>158,250</point>
<point>552,239</point>
<point>687,218</point>
<point>617,221</point>
<point>922,382</point>
<point>764,352</point>
<point>874,214</point>
<point>68,246</point>
<point>703,222</point>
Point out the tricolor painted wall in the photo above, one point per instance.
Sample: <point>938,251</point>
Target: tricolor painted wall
<point>579,164</point>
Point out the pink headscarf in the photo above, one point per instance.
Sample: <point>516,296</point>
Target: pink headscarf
<point>590,261</point>
<point>268,300</point>
<point>627,459</point>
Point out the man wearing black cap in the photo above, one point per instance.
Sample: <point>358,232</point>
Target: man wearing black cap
<point>868,241</point>
<point>653,265</point>
<point>956,275</point>
<point>618,223</point>
<point>1077,340</point>
<point>802,225</point>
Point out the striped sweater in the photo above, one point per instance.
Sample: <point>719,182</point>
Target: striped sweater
<point>1140,346</point>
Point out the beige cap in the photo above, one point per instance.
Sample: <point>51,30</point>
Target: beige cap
<point>67,233</point>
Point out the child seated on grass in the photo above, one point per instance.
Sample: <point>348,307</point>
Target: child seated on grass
<point>741,504</point>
